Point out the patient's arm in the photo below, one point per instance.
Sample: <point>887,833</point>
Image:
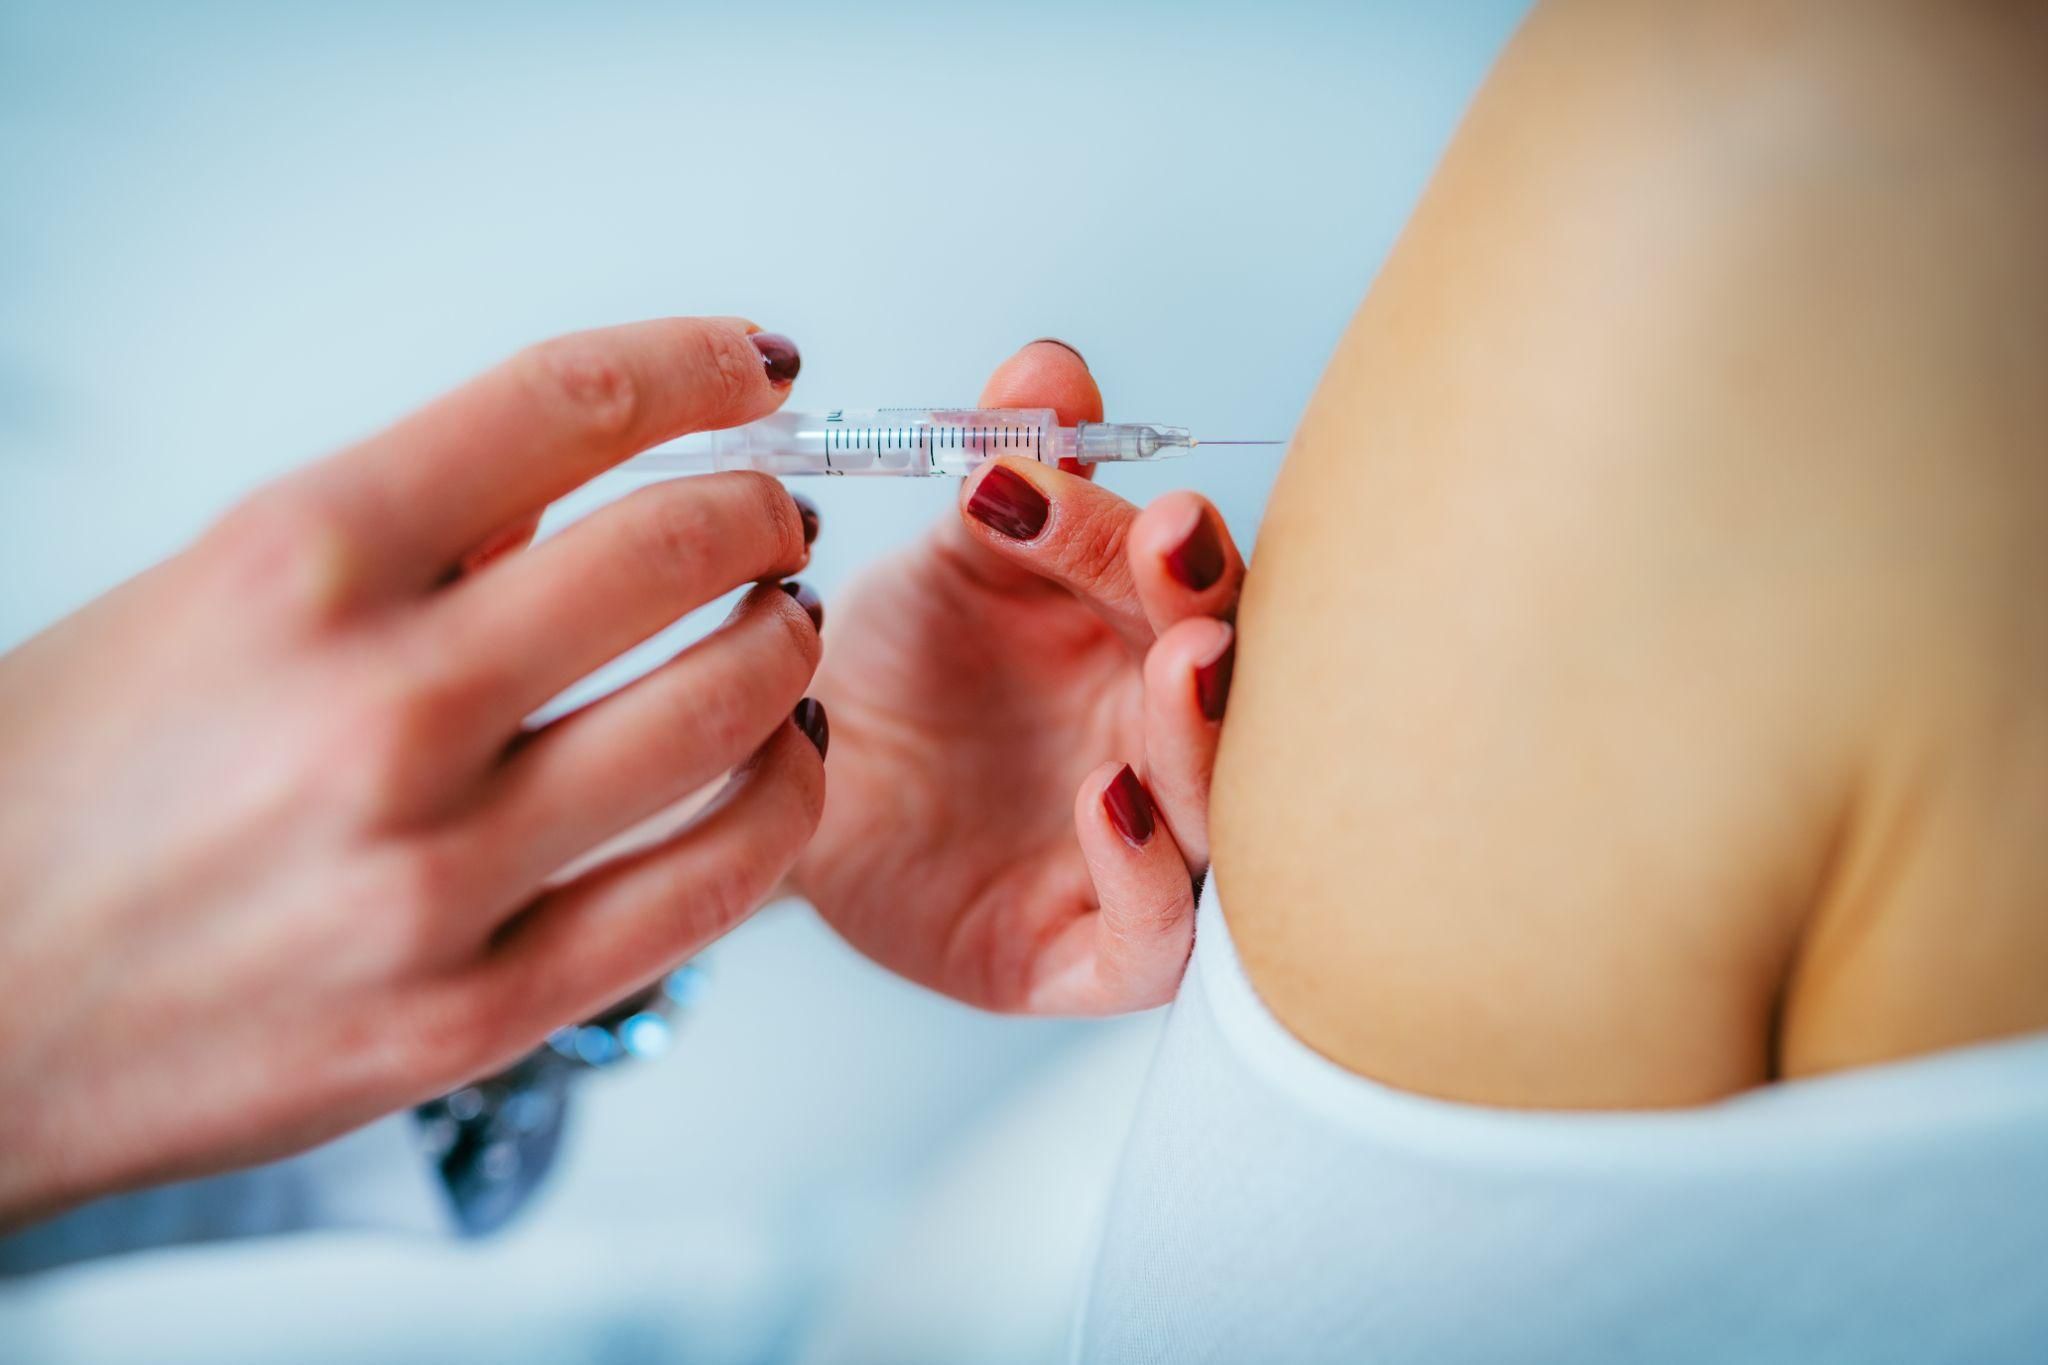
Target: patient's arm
<point>1643,679</point>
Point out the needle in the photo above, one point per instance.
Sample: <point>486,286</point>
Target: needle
<point>1239,443</point>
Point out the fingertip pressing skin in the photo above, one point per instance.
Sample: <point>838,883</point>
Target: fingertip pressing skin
<point>1214,672</point>
<point>1184,560</point>
<point>1187,682</point>
<point>1188,672</point>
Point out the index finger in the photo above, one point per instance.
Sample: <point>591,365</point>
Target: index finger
<point>504,445</point>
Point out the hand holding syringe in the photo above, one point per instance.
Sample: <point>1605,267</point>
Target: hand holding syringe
<point>911,442</point>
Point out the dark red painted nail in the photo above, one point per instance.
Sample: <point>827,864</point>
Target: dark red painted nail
<point>1067,346</point>
<point>807,512</point>
<point>810,718</point>
<point>1129,807</point>
<point>1197,562</point>
<point>1212,679</point>
<point>1007,504</point>
<point>807,597</point>
<point>778,355</point>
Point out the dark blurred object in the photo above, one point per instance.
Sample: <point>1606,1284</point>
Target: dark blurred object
<point>492,1142</point>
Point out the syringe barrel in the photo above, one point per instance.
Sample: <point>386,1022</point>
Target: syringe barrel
<point>891,441</point>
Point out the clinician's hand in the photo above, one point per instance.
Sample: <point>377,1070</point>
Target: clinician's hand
<point>1025,717</point>
<point>277,852</point>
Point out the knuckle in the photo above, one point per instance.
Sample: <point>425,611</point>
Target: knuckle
<point>428,882</point>
<point>453,1032</point>
<point>436,696</point>
<point>1165,916</point>
<point>698,535</point>
<point>1093,551</point>
<point>727,368</point>
<point>388,741</point>
<point>412,898</point>
<point>396,928</point>
<point>1135,926</point>
<point>724,892</point>
<point>284,552</point>
<point>405,721</point>
<point>724,722</point>
<point>579,377</point>
<point>671,534</point>
<point>361,763</point>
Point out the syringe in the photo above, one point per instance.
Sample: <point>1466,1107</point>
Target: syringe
<point>913,442</point>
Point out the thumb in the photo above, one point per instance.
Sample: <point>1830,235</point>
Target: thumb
<point>1046,374</point>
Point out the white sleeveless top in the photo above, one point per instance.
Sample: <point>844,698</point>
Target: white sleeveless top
<point>1272,1206</point>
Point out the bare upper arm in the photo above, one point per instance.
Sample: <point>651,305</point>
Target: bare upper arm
<point>1580,609</point>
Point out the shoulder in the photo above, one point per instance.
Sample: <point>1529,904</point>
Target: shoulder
<point>1581,600</point>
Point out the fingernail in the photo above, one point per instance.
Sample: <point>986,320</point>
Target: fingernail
<point>1007,504</point>
<point>807,512</point>
<point>1068,346</point>
<point>778,355</point>
<point>807,597</point>
<point>1197,562</point>
<point>1212,679</point>
<point>1130,809</point>
<point>810,718</point>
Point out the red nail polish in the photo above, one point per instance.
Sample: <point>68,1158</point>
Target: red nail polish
<point>1197,562</point>
<point>810,718</point>
<point>807,597</point>
<point>1007,504</point>
<point>1066,346</point>
<point>1212,680</point>
<point>807,512</point>
<point>778,356</point>
<point>1129,807</point>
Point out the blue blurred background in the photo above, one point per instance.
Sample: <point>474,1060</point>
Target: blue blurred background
<point>234,236</point>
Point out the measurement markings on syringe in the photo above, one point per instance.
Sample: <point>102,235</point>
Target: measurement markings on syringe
<point>927,439</point>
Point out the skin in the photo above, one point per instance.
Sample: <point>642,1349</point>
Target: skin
<point>1685,723</point>
<point>984,691</point>
<point>280,852</point>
